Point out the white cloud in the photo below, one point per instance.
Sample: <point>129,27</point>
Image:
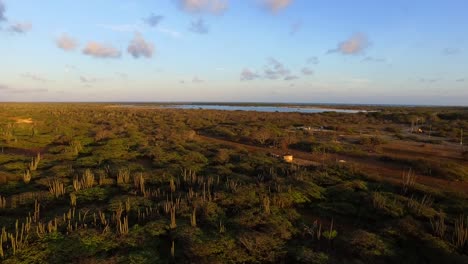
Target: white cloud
<point>312,60</point>
<point>34,77</point>
<point>275,70</point>
<point>307,71</point>
<point>451,51</point>
<point>373,59</point>
<point>20,28</point>
<point>87,80</point>
<point>153,20</point>
<point>248,75</point>
<point>291,78</point>
<point>197,80</point>
<point>204,6</point>
<point>2,11</point>
<point>356,44</point>
<point>99,50</point>
<point>139,47</point>
<point>121,27</point>
<point>199,26</point>
<point>277,5</point>
<point>66,42</point>
<point>295,27</point>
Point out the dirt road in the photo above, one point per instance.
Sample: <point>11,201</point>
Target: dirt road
<point>379,170</point>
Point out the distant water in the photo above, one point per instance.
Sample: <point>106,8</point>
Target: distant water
<point>283,109</point>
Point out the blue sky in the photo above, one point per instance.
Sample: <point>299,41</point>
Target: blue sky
<point>363,51</point>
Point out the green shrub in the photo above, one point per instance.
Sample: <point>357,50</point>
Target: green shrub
<point>366,245</point>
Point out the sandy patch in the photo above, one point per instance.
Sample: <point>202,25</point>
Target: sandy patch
<point>24,120</point>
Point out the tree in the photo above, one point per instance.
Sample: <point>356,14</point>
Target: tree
<point>262,135</point>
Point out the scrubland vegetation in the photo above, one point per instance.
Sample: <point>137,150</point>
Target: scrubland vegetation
<point>92,183</point>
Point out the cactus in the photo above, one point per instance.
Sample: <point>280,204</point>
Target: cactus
<point>87,181</point>
<point>27,176</point>
<point>72,199</point>
<point>37,210</point>
<point>75,147</point>
<point>56,188</point>
<point>193,218</point>
<point>173,224</point>
<point>76,184</point>
<point>266,205</point>
<point>139,183</point>
<point>123,176</point>
<point>172,185</point>
<point>2,202</point>
<point>409,180</point>
<point>222,228</point>
<point>438,225</point>
<point>127,205</point>
<point>460,233</point>
<point>122,226</point>
<point>173,249</point>
<point>35,162</point>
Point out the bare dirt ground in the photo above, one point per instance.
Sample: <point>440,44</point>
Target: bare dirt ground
<point>20,151</point>
<point>23,120</point>
<point>380,170</point>
<point>422,150</point>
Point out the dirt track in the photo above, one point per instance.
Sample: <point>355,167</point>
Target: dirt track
<point>378,169</point>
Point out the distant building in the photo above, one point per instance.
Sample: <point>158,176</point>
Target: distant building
<point>306,128</point>
<point>288,158</point>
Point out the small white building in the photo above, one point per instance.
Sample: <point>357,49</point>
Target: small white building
<point>288,158</point>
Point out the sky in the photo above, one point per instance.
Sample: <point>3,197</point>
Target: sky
<point>307,51</point>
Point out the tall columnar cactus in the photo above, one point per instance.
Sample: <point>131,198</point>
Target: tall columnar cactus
<point>123,176</point>
<point>76,184</point>
<point>56,188</point>
<point>2,202</point>
<point>460,235</point>
<point>37,210</point>
<point>139,183</point>
<point>87,181</point>
<point>172,185</point>
<point>173,249</point>
<point>173,224</point>
<point>122,226</point>
<point>72,199</point>
<point>193,218</point>
<point>27,176</point>
<point>35,162</point>
<point>266,205</point>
